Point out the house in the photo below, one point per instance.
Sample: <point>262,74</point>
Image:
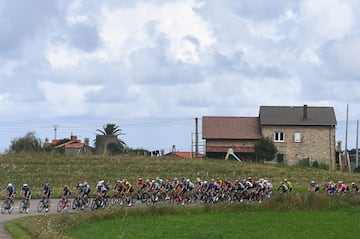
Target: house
<point>300,132</point>
<point>71,146</point>
<point>237,133</point>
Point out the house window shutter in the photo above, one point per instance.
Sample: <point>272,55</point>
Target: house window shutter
<point>297,137</point>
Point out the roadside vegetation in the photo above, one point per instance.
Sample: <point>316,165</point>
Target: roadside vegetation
<point>58,169</point>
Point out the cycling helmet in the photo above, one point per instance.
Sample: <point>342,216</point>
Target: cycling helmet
<point>140,179</point>
<point>118,181</point>
<point>25,185</point>
<point>66,186</point>
<point>9,184</point>
<point>353,183</point>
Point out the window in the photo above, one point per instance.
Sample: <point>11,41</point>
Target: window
<point>297,137</point>
<point>279,137</point>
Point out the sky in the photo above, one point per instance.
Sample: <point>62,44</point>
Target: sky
<point>152,67</point>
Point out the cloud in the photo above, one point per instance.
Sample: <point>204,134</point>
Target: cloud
<point>70,100</point>
<point>113,60</point>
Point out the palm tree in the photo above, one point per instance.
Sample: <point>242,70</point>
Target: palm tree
<point>109,135</point>
<point>110,129</point>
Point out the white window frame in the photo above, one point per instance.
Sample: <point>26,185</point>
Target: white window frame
<point>279,136</point>
<point>297,137</point>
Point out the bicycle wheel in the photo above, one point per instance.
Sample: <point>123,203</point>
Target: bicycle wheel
<point>40,206</point>
<point>22,207</point>
<point>59,206</point>
<point>145,197</point>
<point>93,205</point>
<point>11,207</point>
<point>3,208</point>
<point>74,204</point>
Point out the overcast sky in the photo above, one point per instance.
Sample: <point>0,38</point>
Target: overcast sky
<point>151,67</point>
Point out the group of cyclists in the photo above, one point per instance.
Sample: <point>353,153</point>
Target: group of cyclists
<point>341,188</point>
<point>177,190</point>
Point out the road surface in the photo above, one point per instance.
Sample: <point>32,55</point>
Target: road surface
<point>6,217</point>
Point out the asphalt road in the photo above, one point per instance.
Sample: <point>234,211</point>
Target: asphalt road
<point>6,217</point>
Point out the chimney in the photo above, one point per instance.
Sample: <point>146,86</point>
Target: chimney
<point>86,141</point>
<point>305,113</point>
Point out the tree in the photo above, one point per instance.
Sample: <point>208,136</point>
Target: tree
<point>265,149</point>
<point>107,141</point>
<point>112,130</point>
<point>115,148</point>
<point>28,143</point>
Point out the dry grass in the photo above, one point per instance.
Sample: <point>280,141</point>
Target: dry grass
<point>36,169</point>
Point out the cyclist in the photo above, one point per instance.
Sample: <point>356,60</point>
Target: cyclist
<point>283,188</point>
<point>26,192</point>
<point>101,190</point>
<point>85,192</point>
<point>66,195</point>
<point>47,195</point>
<point>330,187</point>
<point>314,187</point>
<point>354,187</point>
<point>342,187</point>
<point>288,185</point>
<point>129,191</point>
<point>168,188</point>
<point>11,192</point>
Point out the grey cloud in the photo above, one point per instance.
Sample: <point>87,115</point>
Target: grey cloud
<point>258,10</point>
<point>21,21</point>
<point>152,66</point>
<point>84,37</point>
<point>341,58</point>
<point>237,63</point>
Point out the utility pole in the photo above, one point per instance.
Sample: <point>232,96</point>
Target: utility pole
<point>357,144</point>
<point>346,137</point>
<point>55,129</point>
<point>196,138</point>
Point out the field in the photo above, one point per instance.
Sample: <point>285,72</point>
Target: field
<point>224,224</point>
<point>273,218</point>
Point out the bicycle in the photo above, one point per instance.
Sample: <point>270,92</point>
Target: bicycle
<point>63,204</point>
<point>44,204</point>
<point>24,205</point>
<point>8,206</point>
<point>98,203</point>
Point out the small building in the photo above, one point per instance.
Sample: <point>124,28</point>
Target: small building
<point>301,133</point>
<point>222,133</point>
<point>71,146</point>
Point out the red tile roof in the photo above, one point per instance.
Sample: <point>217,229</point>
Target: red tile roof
<point>231,127</point>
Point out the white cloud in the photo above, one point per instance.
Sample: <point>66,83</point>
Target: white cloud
<point>67,99</point>
<point>175,58</point>
<point>324,20</point>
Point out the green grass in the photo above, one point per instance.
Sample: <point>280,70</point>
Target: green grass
<point>300,209</point>
<point>300,224</point>
<point>36,169</point>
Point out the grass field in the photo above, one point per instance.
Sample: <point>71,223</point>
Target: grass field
<point>280,214</point>
<point>270,224</point>
<point>36,169</point>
